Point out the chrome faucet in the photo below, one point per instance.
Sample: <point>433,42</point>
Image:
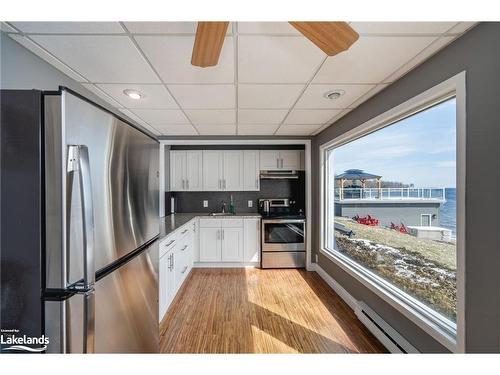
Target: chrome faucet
<point>223,210</point>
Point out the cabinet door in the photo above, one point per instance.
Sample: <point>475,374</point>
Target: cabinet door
<point>251,170</point>
<point>233,171</point>
<point>232,244</point>
<point>171,282</point>
<point>269,160</point>
<point>177,170</point>
<point>251,236</point>
<point>212,170</point>
<point>290,159</point>
<point>210,244</point>
<point>163,285</point>
<point>194,170</point>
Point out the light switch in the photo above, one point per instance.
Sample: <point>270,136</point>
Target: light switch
<point>205,203</point>
<point>250,203</point>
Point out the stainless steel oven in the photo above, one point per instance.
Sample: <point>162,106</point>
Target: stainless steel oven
<point>283,243</point>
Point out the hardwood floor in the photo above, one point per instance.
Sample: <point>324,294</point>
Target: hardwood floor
<point>261,311</point>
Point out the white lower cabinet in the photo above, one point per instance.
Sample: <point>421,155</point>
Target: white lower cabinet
<point>176,261</point>
<point>251,236</point>
<point>234,240</point>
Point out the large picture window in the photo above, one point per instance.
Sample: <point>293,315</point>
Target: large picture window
<point>390,208</point>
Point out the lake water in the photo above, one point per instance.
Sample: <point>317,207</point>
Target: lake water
<point>448,211</point>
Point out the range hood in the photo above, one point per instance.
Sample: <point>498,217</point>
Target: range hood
<point>278,175</point>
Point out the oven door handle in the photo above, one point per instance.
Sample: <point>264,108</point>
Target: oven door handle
<point>282,221</point>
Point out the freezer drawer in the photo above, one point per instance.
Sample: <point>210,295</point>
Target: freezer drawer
<point>291,259</point>
<point>126,311</point>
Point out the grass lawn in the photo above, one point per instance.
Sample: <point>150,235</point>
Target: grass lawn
<point>423,268</point>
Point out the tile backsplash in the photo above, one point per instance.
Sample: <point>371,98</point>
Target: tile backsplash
<point>193,201</point>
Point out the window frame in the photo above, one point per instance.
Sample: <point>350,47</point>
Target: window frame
<point>449,334</point>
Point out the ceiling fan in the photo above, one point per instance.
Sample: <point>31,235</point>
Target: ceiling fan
<point>330,37</point>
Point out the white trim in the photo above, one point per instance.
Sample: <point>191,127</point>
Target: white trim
<point>422,222</point>
<point>357,306</point>
<point>424,317</point>
<point>337,288</point>
<point>307,168</point>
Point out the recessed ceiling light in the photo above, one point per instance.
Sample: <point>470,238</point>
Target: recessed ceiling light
<point>133,94</point>
<point>335,94</point>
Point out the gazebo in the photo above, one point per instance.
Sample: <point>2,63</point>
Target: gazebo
<point>359,175</point>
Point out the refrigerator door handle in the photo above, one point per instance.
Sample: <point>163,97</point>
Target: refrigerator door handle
<point>78,160</point>
<point>89,322</point>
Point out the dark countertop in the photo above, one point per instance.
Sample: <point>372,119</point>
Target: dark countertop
<point>171,223</point>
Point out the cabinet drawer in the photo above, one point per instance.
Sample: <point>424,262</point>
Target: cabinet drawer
<point>232,223</point>
<point>210,223</point>
<point>168,244</point>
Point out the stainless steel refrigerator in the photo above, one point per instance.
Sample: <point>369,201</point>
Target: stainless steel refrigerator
<point>81,187</point>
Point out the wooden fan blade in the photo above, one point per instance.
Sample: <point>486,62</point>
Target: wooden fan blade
<point>331,37</point>
<point>208,43</point>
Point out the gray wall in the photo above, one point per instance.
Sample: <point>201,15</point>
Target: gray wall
<point>478,53</point>
<point>21,69</point>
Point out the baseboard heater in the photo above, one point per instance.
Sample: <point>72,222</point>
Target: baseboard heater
<point>387,335</point>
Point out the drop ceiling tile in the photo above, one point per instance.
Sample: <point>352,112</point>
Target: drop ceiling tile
<point>154,96</point>
<point>101,94</point>
<point>273,28</point>
<point>216,129</point>
<point>310,116</point>
<point>261,116</point>
<point>257,129</point>
<point>204,96</point>
<point>421,57</point>
<point>171,57</point>
<point>165,27</point>
<point>400,28</point>
<point>371,59</point>
<point>40,52</point>
<point>268,96</point>
<point>7,28</point>
<point>277,59</point>
<point>139,121</point>
<point>211,116</point>
<point>104,58</point>
<point>461,27</point>
<point>314,96</point>
<point>69,27</point>
<point>157,117</point>
<point>177,129</point>
<point>297,129</point>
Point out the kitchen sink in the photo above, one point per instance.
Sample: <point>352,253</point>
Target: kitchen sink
<point>221,214</point>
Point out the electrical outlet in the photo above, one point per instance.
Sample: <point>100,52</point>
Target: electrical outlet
<point>250,203</point>
<point>205,203</point>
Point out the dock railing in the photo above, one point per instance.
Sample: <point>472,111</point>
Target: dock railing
<point>390,193</point>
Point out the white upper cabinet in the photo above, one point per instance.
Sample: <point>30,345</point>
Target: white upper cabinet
<point>194,170</point>
<point>290,159</point>
<point>177,170</point>
<point>223,170</point>
<point>212,170</point>
<point>232,177</point>
<point>186,170</point>
<point>274,160</point>
<point>251,170</point>
<point>269,160</point>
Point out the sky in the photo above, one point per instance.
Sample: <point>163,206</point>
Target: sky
<point>420,149</point>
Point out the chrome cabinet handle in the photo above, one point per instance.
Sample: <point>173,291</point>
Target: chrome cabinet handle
<point>256,183</point>
<point>184,248</point>
<point>282,163</point>
<point>277,163</point>
<point>224,183</point>
<point>218,234</point>
<point>185,269</point>
<point>187,184</point>
<point>170,243</point>
<point>184,231</point>
<point>222,231</point>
